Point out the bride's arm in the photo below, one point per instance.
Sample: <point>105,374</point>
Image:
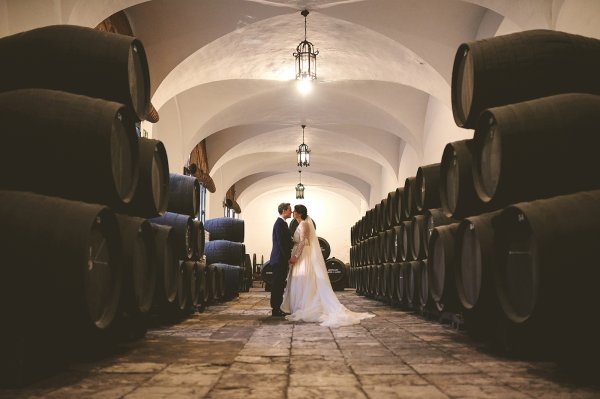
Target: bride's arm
<point>303,238</point>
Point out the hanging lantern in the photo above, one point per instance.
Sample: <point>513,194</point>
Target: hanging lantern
<point>303,152</point>
<point>300,187</point>
<point>306,57</point>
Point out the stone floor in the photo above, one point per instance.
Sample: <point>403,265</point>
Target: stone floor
<point>235,350</point>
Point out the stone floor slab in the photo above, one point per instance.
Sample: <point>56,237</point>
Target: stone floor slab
<point>236,350</point>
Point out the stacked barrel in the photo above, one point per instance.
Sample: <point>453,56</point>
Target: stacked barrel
<point>183,273</point>
<point>86,236</point>
<point>226,258</point>
<point>512,246</point>
<point>69,101</point>
<point>388,257</point>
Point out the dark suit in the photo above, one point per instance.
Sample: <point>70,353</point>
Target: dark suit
<point>280,255</point>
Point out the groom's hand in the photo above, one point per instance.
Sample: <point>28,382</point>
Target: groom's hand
<point>292,260</point>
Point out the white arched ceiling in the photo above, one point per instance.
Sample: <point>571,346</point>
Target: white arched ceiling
<point>222,70</point>
<point>286,140</point>
<point>263,51</point>
<point>247,189</point>
<point>231,172</point>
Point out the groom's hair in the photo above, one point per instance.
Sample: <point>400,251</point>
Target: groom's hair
<point>282,207</point>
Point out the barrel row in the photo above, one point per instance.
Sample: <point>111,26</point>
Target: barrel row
<point>136,264</point>
<point>105,278</point>
<point>226,247</point>
<point>512,258</point>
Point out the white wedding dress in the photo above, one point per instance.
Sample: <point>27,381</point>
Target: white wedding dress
<point>308,295</point>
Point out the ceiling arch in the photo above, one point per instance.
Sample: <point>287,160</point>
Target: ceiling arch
<point>381,147</point>
<point>247,189</point>
<point>363,169</point>
<point>222,70</point>
<point>263,50</point>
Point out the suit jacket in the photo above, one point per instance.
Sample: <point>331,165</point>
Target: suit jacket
<point>282,243</point>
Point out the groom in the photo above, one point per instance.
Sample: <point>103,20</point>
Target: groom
<point>280,255</point>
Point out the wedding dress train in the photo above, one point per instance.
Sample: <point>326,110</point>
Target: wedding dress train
<point>309,296</point>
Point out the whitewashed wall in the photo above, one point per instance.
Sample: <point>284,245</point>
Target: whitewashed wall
<point>334,214</point>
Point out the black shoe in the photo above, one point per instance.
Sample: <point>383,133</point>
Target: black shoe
<point>278,313</point>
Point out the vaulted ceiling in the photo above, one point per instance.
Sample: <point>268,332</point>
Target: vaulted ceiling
<point>223,70</point>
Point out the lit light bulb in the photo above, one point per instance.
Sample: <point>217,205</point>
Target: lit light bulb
<point>304,86</point>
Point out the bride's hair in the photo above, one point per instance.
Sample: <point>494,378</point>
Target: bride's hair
<point>301,209</point>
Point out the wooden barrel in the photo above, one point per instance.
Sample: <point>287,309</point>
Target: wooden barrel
<point>400,284</point>
<point>184,194</point>
<point>412,288</point>
<point>230,281</point>
<point>408,290</point>
<point>442,262</point>
<point>378,212</point>
<point>183,227</point>
<point>537,149</point>
<point>325,248</point>
<point>216,287</point>
<point>393,217</point>
<point>387,282</point>
<point>418,234</point>
<point>152,192</point>
<point>167,265</point>
<point>266,273</point>
<point>409,206</point>
<point>384,217</point>
<point>225,228</point>
<point>76,274</point>
<point>198,284</point>
<point>81,274</point>
<point>427,187</point>
<point>374,249</point>
<point>356,257</point>
<point>400,204</point>
<point>405,249</point>
<point>358,280</point>
<point>223,251</point>
<point>389,249</point>
<point>140,263</point>
<point>365,280</point>
<point>366,233</point>
<point>395,278</point>
<point>198,239</point>
<point>548,256</point>
<point>336,270</point>
<point>382,250</point>
<point>365,254</point>
<point>422,287</point>
<point>475,276</point>
<point>183,302</point>
<point>78,60</point>
<point>246,279</point>
<point>206,285</point>
<point>372,281</point>
<point>475,272</point>
<point>398,242</point>
<point>380,281</point>
<point>457,190</point>
<point>539,241</point>
<point>433,218</point>
<point>86,148</point>
<point>518,67</point>
<point>360,227</point>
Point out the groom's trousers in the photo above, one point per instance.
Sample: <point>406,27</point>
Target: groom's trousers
<point>280,272</point>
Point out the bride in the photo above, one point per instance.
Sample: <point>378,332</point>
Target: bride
<point>309,296</point>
